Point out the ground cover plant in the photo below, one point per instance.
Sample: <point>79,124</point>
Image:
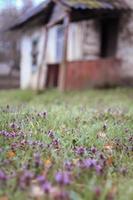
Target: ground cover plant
<point>75,146</point>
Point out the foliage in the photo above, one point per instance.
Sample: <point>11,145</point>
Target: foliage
<point>66,146</point>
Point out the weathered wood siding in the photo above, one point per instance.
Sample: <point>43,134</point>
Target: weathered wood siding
<point>84,41</point>
<point>125,47</point>
<point>96,73</point>
<point>28,77</point>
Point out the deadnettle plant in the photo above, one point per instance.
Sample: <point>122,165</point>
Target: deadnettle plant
<point>93,150</point>
<point>37,160</point>
<point>51,134</point>
<point>42,114</point>
<point>89,163</point>
<point>80,151</point>
<point>8,134</point>
<point>3,177</point>
<point>46,187</point>
<point>13,126</point>
<point>25,179</point>
<point>68,166</point>
<point>55,143</point>
<point>63,178</point>
<point>41,179</point>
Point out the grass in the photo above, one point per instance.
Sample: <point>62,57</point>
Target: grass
<point>79,120</point>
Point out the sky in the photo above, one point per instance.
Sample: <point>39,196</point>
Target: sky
<point>18,3</point>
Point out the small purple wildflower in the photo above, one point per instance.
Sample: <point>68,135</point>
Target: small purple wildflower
<point>3,176</point>
<point>13,126</point>
<point>63,178</point>
<point>99,169</point>
<point>41,179</point>
<point>51,134</point>
<point>25,179</point>
<point>46,187</point>
<point>90,163</point>
<point>94,150</point>
<point>37,159</point>
<point>55,143</point>
<point>42,114</point>
<point>68,165</point>
<point>80,150</point>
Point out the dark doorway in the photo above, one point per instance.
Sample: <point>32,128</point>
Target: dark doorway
<point>52,75</point>
<point>109,36</point>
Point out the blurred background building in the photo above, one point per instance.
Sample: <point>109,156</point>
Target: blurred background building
<point>10,10</point>
<point>73,44</point>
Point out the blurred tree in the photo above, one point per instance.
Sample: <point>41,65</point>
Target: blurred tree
<point>9,41</point>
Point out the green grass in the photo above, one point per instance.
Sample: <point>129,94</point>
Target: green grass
<point>77,119</point>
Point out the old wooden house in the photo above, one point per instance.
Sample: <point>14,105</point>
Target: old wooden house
<point>77,44</point>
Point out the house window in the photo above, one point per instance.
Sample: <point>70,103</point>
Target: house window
<point>59,43</point>
<point>109,35</point>
<point>34,55</point>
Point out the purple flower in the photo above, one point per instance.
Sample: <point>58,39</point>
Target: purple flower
<point>55,143</point>
<point>13,126</point>
<point>41,179</point>
<point>63,178</point>
<point>98,168</point>
<point>89,163</point>
<point>25,179</point>
<point>94,150</point>
<point>101,156</point>
<point>51,134</point>
<point>46,187</point>
<point>42,114</point>
<point>80,150</point>
<point>37,159</point>
<point>3,176</point>
<point>68,165</point>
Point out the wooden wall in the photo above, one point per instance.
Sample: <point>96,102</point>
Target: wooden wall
<point>98,73</point>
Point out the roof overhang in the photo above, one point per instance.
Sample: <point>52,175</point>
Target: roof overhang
<point>36,16</point>
<point>46,13</point>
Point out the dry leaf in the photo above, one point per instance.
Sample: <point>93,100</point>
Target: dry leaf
<point>109,161</point>
<point>109,147</point>
<point>11,154</point>
<point>48,163</point>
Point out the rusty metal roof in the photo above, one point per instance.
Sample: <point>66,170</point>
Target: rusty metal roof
<point>95,4</point>
<point>46,7</point>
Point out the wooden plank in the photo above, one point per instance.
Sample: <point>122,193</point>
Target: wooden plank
<point>41,71</point>
<point>63,67</point>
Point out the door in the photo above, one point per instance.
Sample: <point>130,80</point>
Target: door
<point>52,76</point>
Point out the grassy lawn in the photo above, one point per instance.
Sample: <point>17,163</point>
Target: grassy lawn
<point>76,146</point>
